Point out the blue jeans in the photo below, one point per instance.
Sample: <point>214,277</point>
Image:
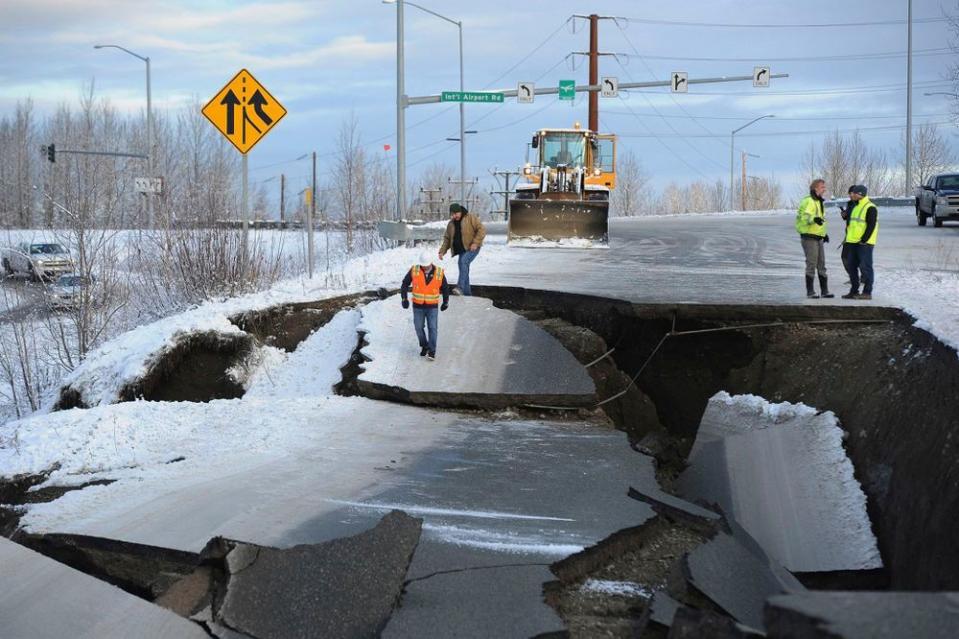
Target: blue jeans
<point>463,283</point>
<point>860,259</point>
<point>426,315</point>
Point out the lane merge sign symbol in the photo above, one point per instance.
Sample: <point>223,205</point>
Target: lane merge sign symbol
<point>760,76</point>
<point>525,92</point>
<point>609,87</point>
<point>679,82</point>
<point>244,111</point>
<point>567,89</point>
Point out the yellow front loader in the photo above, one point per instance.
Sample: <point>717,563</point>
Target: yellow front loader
<point>565,199</point>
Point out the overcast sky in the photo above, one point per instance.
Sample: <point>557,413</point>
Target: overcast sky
<point>326,59</point>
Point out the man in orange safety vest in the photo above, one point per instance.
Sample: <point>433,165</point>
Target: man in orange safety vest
<point>428,285</point>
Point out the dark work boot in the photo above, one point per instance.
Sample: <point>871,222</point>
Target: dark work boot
<point>424,351</point>
<point>851,295</point>
<point>824,287</point>
<point>810,289</point>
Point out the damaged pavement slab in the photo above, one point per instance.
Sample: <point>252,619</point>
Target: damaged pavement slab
<point>780,471</point>
<point>734,577</point>
<point>41,598</point>
<point>346,587</point>
<point>486,358</point>
<point>863,615</point>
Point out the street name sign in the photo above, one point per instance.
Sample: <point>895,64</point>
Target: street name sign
<point>470,96</point>
<point>244,111</point>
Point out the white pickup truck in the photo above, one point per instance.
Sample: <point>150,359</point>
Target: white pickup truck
<point>39,260</point>
<point>938,198</point>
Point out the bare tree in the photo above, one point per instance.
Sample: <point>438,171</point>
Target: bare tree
<point>931,153</point>
<point>631,195</point>
<point>844,159</point>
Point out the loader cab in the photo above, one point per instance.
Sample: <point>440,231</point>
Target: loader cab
<point>562,149</point>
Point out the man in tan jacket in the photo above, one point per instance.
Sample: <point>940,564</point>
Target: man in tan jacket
<point>464,235</point>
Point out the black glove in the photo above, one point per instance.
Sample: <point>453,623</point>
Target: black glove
<point>406,303</point>
<point>445,306</point>
<point>818,220</point>
<point>826,239</point>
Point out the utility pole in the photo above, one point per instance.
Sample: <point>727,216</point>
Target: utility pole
<point>593,71</point>
<point>282,200</point>
<point>908,97</point>
<point>593,54</point>
<point>430,201</point>
<point>742,186</point>
<point>400,117</point>
<point>506,192</point>
<point>310,214</point>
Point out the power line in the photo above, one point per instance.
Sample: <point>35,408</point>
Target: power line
<point>820,25</point>
<point>528,55</point>
<point>852,57</point>
<point>783,119</point>
<point>662,142</point>
<point>784,133</point>
<point>667,123</point>
<point>878,88</point>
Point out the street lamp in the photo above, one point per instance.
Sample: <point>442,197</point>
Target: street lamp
<point>146,59</point>
<point>401,105</point>
<point>732,142</point>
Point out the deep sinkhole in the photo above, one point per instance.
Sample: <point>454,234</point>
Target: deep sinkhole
<point>891,385</point>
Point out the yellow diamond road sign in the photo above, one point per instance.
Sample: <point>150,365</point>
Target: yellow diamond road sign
<point>244,111</point>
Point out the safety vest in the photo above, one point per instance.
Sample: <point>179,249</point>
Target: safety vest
<point>427,294</point>
<point>809,209</point>
<point>857,223</point>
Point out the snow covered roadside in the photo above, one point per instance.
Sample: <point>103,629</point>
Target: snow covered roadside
<point>931,298</point>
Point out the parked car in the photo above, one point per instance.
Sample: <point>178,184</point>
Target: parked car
<point>38,260</point>
<point>67,291</point>
<point>938,198</point>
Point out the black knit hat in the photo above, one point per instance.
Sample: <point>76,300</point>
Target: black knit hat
<point>456,207</point>
<point>858,188</point>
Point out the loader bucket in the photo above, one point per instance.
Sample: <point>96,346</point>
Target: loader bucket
<point>551,222</point>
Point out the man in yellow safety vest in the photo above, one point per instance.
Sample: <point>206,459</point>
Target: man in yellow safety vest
<point>811,226</point>
<point>861,231</point>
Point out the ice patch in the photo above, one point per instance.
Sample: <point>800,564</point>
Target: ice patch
<point>619,588</point>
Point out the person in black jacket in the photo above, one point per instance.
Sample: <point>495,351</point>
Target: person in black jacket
<point>428,284</point>
<point>862,229</point>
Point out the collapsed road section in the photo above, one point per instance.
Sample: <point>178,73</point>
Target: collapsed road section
<point>505,494</point>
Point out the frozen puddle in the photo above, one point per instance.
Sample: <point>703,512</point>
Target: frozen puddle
<point>486,358</point>
<point>780,471</point>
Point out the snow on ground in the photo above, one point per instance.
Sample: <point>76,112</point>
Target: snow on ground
<point>313,368</point>
<point>620,588</point>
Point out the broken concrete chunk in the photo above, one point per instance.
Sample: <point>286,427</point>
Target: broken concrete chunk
<point>663,608</point>
<point>342,588</point>
<point>506,361</point>
<point>863,615</point>
<point>733,578</point>
<point>662,502</point>
<point>691,623</point>
<point>781,471</point>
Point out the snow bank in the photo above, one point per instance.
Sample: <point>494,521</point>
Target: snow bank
<point>313,368</point>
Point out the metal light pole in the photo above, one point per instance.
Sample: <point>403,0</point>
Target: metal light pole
<point>401,100</point>
<point>908,96</point>
<point>146,59</point>
<point>732,144</point>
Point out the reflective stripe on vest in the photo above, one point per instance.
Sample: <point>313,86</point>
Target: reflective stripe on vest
<point>809,209</point>
<point>424,293</point>
<point>857,223</point>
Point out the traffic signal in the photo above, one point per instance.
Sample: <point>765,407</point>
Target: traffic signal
<point>52,152</point>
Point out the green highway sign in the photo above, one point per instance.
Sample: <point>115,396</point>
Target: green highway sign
<point>470,96</point>
<point>567,89</point>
